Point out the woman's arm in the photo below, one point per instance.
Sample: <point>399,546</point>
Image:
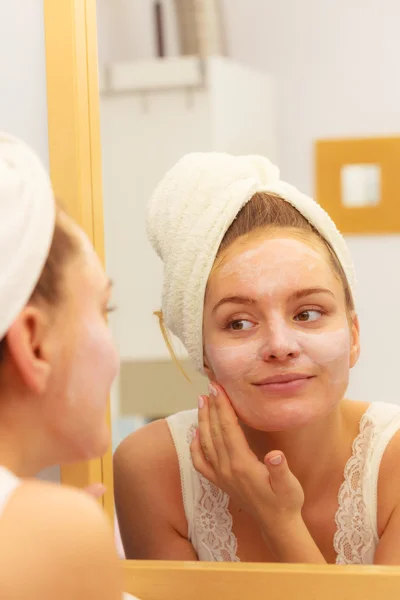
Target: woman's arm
<point>388,550</point>
<point>148,496</point>
<point>55,542</point>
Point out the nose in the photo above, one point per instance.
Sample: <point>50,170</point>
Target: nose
<point>279,344</point>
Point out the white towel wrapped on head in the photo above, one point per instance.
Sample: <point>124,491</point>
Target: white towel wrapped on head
<point>188,216</point>
<point>27,217</point>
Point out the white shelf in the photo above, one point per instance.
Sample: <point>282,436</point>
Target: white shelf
<point>152,75</point>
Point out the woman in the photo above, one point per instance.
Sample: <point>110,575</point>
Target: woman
<point>57,363</point>
<point>276,465</point>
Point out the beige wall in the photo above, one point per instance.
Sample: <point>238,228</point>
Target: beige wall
<point>157,388</point>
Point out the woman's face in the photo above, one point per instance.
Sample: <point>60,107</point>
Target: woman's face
<point>276,332</point>
<point>84,360</point>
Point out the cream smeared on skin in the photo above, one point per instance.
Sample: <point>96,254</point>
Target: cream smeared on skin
<point>95,362</point>
<point>269,272</point>
<point>264,278</point>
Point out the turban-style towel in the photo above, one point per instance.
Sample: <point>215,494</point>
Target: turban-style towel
<point>188,216</point>
<point>27,218</point>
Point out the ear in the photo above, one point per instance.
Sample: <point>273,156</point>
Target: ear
<point>355,340</point>
<point>26,346</point>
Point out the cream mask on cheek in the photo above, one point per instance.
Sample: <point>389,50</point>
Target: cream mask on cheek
<point>317,349</point>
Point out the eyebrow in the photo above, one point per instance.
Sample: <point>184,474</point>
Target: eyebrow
<point>234,300</point>
<point>309,292</point>
<point>298,295</point>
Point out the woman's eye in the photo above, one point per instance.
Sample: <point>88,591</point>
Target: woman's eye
<point>240,325</point>
<point>307,316</point>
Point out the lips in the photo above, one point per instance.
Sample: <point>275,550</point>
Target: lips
<point>284,378</point>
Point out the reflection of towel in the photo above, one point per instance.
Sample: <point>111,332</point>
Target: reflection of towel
<point>27,215</point>
<point>188,216</point>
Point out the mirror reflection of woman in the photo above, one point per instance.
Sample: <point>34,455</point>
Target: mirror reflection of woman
<point>57,363</point>
<point>275,465</point>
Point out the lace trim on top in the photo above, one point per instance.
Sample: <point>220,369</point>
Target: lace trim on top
<point>212,519</point>
<point>354,538</point>
<point>181,472</point>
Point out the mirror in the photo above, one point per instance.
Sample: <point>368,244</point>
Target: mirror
<point>234,83</point>
<point>360,185</point>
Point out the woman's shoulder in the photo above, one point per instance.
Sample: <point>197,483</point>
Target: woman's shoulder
<point>147,482</point>
<point>381,415</point>
<point>152,442</point>
<point>150,454</point>
<point>383,456</point>
<point>155,441</point>
<point>57,530</point>
<point>40,503</point>
<point>40,493</point>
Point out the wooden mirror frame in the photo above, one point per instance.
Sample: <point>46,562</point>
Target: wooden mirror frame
<point>75,154</point>
<point>75,165</point>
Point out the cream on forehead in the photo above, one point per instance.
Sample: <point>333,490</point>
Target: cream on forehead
<point>280,251</point>
<point>274,262</point>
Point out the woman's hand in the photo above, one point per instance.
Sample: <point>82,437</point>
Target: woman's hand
<point>267,490</point>
<point>96,490</point>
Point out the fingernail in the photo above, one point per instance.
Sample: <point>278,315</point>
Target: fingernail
<point>201,401</point>
<point>276,460</point>
<point>213,391</point>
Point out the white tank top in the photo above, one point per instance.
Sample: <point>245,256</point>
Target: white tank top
<point>8,483</point>
<point>356,538</point>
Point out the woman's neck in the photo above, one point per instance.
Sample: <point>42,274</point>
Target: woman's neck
<point>24,449</point>
<point>316,451</point>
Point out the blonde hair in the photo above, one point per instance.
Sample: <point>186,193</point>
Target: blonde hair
<point>168,343</point>
<point>267,212</point>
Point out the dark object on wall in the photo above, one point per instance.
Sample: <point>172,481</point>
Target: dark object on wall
<point>159,22</point>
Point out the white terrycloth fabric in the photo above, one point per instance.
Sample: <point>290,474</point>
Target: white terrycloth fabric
<point>27,217</point>
<point>188,216</point>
